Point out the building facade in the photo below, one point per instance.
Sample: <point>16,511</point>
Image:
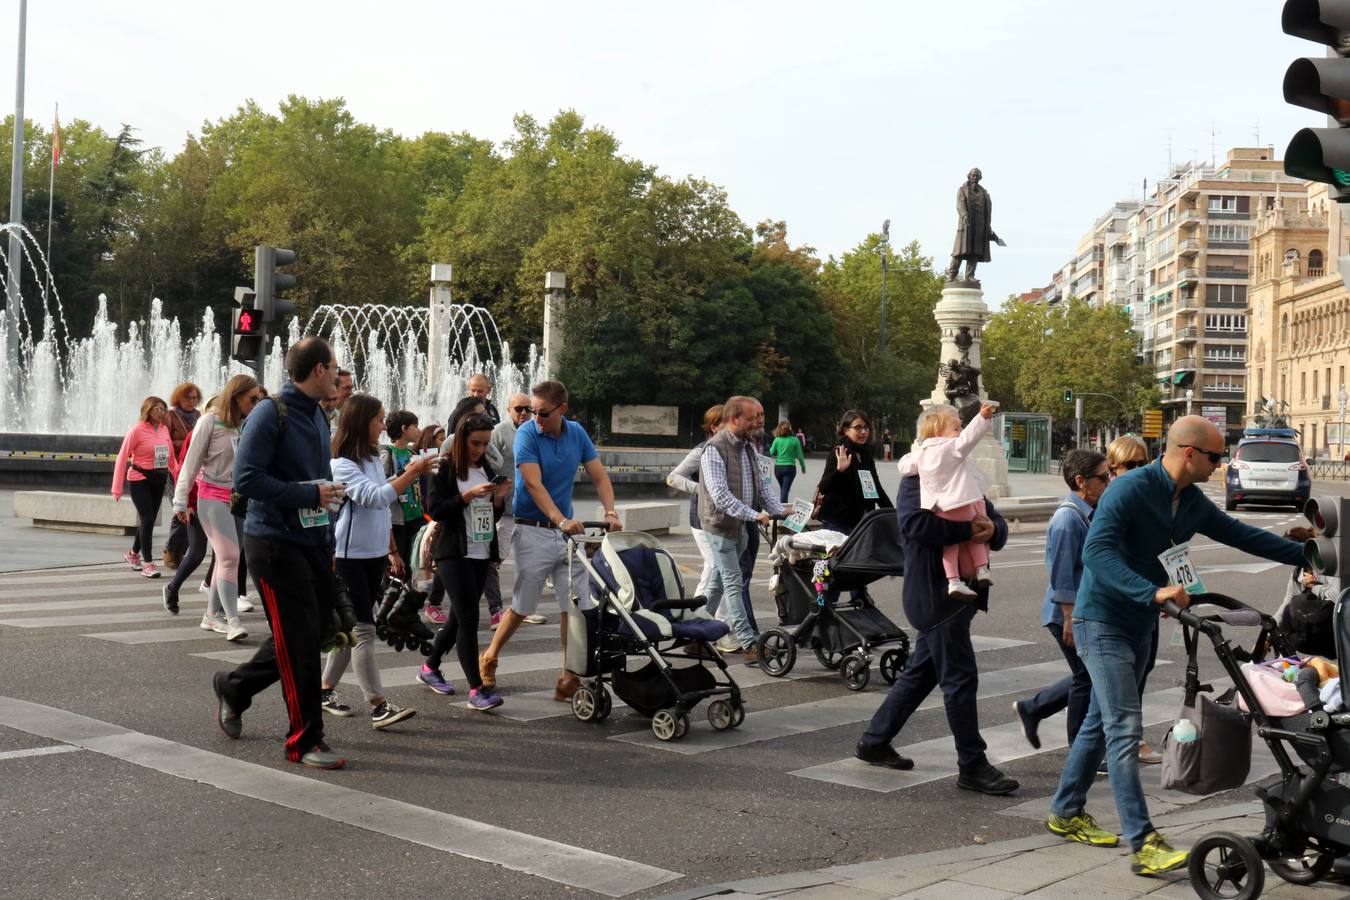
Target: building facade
<point>1300,319</point>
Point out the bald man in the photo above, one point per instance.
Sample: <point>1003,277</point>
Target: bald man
<point>480,387</point>
<point>1144,515</point>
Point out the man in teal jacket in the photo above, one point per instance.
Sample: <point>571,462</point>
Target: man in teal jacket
<point>1145,514</point>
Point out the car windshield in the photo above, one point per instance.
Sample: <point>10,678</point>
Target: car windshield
<point>1272,452</point>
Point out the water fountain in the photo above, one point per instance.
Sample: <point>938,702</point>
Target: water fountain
<point>94,385</point>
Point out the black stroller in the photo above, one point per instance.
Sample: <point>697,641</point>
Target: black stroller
<point>640,614</point>
<point>844,633</point>
<point>1306,804</point>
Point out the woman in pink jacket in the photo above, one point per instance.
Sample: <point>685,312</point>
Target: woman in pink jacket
<point>953,487</point>
<point>144,466</point>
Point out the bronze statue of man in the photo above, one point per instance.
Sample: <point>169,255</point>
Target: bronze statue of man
<point>974,230</point>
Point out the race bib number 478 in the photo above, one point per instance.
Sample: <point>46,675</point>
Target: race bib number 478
<point>1181,569</point>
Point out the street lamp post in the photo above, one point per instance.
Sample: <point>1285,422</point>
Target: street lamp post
<point>1344,398</point>
<point>884,246</point>
<point>16,202</point>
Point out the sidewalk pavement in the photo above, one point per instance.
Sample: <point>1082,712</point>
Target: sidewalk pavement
<point>1040,866</point>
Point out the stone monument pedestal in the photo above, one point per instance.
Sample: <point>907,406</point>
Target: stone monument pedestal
<point>962,306</point>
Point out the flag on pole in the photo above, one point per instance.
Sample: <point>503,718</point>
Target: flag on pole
<point>56,142</point>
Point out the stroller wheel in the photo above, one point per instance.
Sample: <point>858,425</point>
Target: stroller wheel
<point>829,658</point>
<point>681,724</point>
<point>720,715</point>
<point>585,704</point>
<point>738,713</point>
<point>606,703</point>
<point>1309,868</point>
<point>777,652</point>
<point>666,724</point>
<point>892,664</point>
<point>855,671</point>
<point>1224,866</point>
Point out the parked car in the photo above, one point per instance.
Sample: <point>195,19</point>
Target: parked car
<point>1267,468</point>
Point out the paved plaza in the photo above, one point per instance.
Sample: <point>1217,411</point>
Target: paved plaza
<point>106,723</point>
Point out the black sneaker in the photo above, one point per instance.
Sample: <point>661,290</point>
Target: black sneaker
<point>229,721</point>
<point>1029,726</point>
<point>333,705</point>
<point>170,599</point>
<point>988,781</point>
<point>884,755</point>
<point>387,714</point>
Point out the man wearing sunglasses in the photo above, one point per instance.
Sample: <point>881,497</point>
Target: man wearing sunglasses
<point>1144,515</point>
<point>548,452</point>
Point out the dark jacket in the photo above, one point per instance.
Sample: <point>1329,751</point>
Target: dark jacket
<point>923,535</point>
<point>841,492</point>
<point>271,461</point>
<point>445,504</point>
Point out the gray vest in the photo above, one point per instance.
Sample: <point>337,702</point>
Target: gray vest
<point>710,517</point>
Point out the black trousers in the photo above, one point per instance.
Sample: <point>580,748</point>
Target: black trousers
<point>196,552</point>
<point>464,580</point>
<point>147,494</point>
<point>1073,691</point>
<point>943,656</point>
<point>297,588</point>
<point>178,540</point>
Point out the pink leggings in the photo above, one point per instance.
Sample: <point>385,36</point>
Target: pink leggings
<point>964,558</point>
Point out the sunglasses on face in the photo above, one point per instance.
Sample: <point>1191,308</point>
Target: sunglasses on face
<point>521,410</point>
<point>1214,458</point>
<point>544,413</point>
<point>1132,464</point>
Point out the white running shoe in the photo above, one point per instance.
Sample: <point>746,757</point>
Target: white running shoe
<point>958,589</point>
<point>214,622</point>
<point>234,631</point>
<point>536,619</point>
<point>982,577</point>
<point>246,603</point>
<point>204,587</point>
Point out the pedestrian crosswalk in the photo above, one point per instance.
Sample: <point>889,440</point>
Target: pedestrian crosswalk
<point>112,606</point>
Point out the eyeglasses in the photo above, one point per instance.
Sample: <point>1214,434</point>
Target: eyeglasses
<point>1215,458</point>
<point>544,413</point>
<point>860,427</point>
<point>521,410</point>
<point>1099,476</point>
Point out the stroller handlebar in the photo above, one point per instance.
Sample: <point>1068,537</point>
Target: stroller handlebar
<point>1190,619</point>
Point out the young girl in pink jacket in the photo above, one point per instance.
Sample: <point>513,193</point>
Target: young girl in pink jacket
<point>144,465</point>
<point>951,485</point>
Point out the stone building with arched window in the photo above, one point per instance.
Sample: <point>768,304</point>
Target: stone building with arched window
<point>1299,313</point>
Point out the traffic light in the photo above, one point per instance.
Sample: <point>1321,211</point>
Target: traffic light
<point>267,281</point>
<point>1068,396</point>
<point>1324,552</point>
<point>248,332</point>
<point>1321,84</point>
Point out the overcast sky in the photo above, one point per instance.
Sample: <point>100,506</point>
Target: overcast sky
<point>833,116</point>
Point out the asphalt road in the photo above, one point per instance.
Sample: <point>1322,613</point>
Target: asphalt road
<point>127,789</point>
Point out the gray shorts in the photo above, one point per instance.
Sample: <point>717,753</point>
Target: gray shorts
<point>541,553</point>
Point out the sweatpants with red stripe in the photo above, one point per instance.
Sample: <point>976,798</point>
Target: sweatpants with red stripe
<point>297,586</point>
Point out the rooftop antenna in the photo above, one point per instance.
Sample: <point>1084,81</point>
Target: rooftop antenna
<point>1212,135</point>
<point>1256,133</point>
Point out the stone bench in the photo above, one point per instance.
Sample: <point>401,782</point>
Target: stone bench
<point>652,517</point>
<point>94,513</point>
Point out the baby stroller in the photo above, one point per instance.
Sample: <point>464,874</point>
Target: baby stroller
<point>1307,805</point>
<point>638,613</point>
<point>845,633</point>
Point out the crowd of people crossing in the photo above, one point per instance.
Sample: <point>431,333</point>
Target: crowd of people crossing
<point>335,504</point>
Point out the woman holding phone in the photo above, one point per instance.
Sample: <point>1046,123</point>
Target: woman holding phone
<point>467,498</point>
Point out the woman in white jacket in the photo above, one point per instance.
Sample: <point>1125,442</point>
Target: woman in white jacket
<point>365,549</point>
<point>210,463</point>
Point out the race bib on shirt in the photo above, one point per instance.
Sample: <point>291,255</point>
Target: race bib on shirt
<point>161,456</point>
<point>481,522</point>
<point>869,485</point>
<point>800,516</point>
<point>765,468</point>
<point>316,517</point>
<point>1180,569</point>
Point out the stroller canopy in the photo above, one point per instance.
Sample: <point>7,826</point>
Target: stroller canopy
<point>871,552</point>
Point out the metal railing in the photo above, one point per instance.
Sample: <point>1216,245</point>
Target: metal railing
<point>1189,333</point>
<point>1330,469</point>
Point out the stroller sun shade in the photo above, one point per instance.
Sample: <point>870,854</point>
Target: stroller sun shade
<point>871,552</point>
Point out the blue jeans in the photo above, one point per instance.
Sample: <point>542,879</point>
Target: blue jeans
<point>1116,660</point>
<point>785,475</point>
<point>724,586</point>
<point>1073,691</point>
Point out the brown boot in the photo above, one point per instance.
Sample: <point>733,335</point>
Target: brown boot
<point>567,686</point>
<point>752,655</point>
<point>171,559</point>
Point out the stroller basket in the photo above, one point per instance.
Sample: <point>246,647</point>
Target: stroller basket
<point>648,690</point>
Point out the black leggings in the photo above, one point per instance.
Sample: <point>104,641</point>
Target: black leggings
<point>147,494</point>
<point>196,552</point>
<point>464,580</point>
<point>362,578</point>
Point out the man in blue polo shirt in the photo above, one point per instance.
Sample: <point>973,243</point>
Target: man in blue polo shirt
<point>1147,514</point>
<point>548,452</point>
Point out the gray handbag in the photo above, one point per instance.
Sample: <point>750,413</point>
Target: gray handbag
<point>1220,757</point>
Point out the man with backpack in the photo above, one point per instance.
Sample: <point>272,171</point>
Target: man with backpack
<point>282,467</point>
<point>1086,474</point>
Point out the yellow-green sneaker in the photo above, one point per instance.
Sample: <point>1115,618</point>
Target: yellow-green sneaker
<point>1156,857</point>
<point>1081,828</point>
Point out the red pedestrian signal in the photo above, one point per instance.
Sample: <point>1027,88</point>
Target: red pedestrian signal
<point>247,323</point>
<point>248,331</point>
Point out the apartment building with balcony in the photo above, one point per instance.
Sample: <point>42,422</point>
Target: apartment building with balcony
<point>1299,314</point>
